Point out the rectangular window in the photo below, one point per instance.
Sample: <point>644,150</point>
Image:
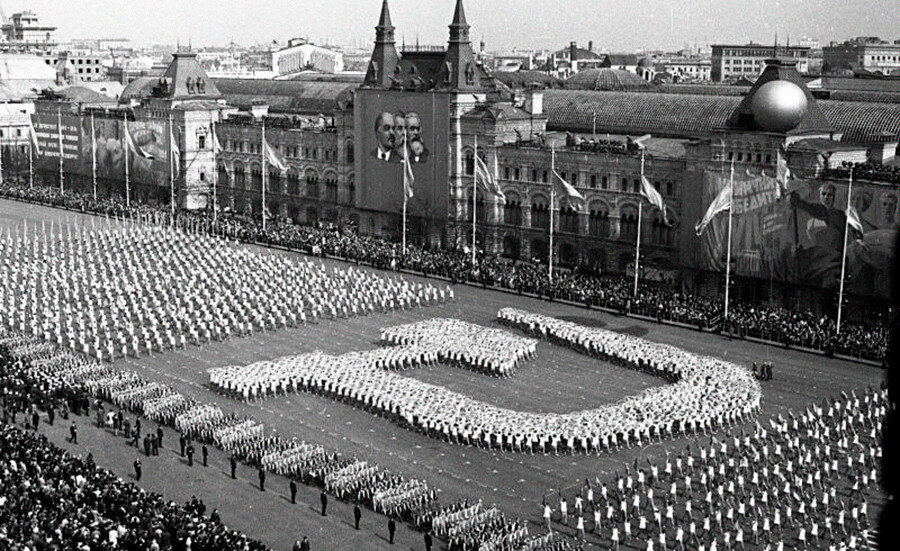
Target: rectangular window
<point>534,175</point>
<point>516,172</point>
<point>593,180</point>
<point>604,182</point>
<point>544,177</point>
<point>506,173</point>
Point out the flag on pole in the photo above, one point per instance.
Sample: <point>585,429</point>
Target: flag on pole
<point>273,157</point>
<point>32,134</point>
<point>782,174</point>
<point>408,178</point>
<point>134,148</point>
<point>648,191</point>
<point>217,147</point>
<point>721,203</point>
<point>853,220</point>
<point>484,177</point>
<point>174,150</point>
<point>567,191</point>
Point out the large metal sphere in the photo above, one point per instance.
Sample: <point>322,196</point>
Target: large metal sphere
<point>778,105</point>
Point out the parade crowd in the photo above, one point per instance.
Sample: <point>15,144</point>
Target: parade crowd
<point>128,290</point>
<point>39,376</point>
<point>706,393</point>
<point>801,482</point>
<point>795,327</point>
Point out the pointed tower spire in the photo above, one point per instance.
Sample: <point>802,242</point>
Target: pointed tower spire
<point>460,71</point>
<point>459,29</point>
<point>384,56</point>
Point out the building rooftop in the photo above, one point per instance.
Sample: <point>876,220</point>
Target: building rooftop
<point>286,96</point>
<point>695,116</point>
<point>607,79</point>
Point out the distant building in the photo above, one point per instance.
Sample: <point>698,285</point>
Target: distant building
<point>688,69</point>
<point>23,32</point>
<point>568,61</point>
<point>623,62</point>
<point>300,56</point>
<point>24,76</point>
<point>735,62</point>
<point>75,67</point>
<point>865,53</point>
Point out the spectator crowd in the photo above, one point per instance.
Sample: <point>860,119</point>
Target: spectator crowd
<point>795,327</point>
<point>38,376</point>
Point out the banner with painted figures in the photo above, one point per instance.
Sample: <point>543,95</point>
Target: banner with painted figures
<point>796,235</point>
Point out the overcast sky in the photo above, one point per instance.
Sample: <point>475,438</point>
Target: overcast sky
<point>617,25</point>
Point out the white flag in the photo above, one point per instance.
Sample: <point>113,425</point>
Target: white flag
<point>484,177</point>
<point>274,158</point>
<point>654,197</point>
<point>32,134</point>
<point>721,203</point>
<point>408,178</point>
<point>567,190</point>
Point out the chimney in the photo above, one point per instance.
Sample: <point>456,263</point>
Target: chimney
<point>590,45</point>
<point>534,101</point>
<point>572,47</point>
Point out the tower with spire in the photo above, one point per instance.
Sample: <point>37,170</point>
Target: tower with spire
<point>460,71</point>
<point>384,60</point>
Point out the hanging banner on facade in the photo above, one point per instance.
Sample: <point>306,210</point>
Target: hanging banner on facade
<point>799,237</point>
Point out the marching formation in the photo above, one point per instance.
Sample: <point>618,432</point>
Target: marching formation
<point>493,351</point>
<point>706,393</point>
<point>61,374</point>
<point>128,290</point>
<point>798,483</point>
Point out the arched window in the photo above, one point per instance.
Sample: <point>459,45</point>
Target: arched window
<point>511,247</point>
<point>628,225</point>
<point>568,220</point>
<point>540,215</point>
<point>598,222</point>
<point>349,152</point>
<point>256,177</point>
<point>479,207</point>
<point>293,182</point>
<point>512,211</point>
<point>274,182</point>
<point>351,189</point>
<point>240,177</point>
<point>312,185</point>
<point>469,163</point>
<point>222,175</point>
<point>331,188</point>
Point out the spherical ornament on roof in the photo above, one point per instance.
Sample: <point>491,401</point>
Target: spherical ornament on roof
<point>778,105</point>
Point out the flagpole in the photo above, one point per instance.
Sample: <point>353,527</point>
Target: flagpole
<point>474,192</point>
<point>31,158</point>
<point>171,172</point>
<point>127,182</point>
<point>637,245</point>
<point>728,248</point>
<point>215,178</point>
<point>60,138</point>
<point>1,150</point>
<point>93,157</point>
<point>552,200</point>
<point>844,253</point>
<point>265,151</point>
<point>405,195</point>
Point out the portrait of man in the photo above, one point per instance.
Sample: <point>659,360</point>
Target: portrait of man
<point>417,149</point>
<point>888,209</point>
<point>400,136</point>
<point>385,137</point>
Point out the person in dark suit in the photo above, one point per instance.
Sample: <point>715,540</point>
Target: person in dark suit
<point>428,541</point>
<point>205,452</point>
<point>159,436</point>
<point>384,135</point>
<point>304,545</point>
<point>233,462</point>
<point>293,488</point>
<point>392,527</point>
<point>137,468</point>
<point>324,499</point>
<point>262,479</point>
<point>357,515</point>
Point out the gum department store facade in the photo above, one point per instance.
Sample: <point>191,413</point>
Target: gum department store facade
<point>311,122</point>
